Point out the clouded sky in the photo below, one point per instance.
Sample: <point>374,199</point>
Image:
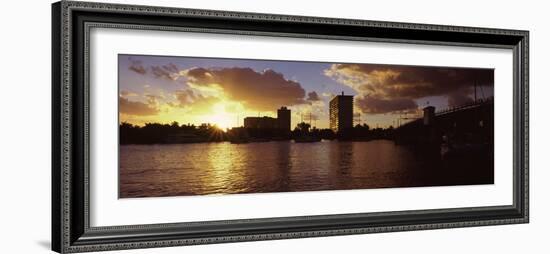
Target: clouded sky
<point>224,91</point>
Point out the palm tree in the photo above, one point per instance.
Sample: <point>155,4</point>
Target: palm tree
<point>303,127</point>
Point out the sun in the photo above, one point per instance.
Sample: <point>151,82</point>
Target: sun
<point>220,117</point>
<point>222,120</point>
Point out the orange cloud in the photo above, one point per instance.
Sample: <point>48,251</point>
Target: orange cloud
<point>264,91</point>
<point>136,108</point>
<point>194,102</point>
<point>125,93</point>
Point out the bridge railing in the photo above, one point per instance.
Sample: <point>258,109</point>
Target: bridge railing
<point>477,103</point>
<point>465,106</point>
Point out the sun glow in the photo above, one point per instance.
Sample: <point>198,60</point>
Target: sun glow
<point>220,117</point>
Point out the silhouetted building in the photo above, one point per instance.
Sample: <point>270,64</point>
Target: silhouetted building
<point>283,118</point>
<point>341,112</point>
<point>429,115</point>
<point>264,122</point>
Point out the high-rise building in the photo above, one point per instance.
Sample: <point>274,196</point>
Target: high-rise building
<point>283,118</point>
<point>341,112</point>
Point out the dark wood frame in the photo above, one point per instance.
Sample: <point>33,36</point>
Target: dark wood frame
<point>71,22</point>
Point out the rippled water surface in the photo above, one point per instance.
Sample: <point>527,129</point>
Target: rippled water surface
<point>223,168</point>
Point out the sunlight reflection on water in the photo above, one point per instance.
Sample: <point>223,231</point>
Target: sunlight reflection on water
<point>222,168</point>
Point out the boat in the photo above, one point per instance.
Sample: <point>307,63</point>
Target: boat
<point>307,139</point>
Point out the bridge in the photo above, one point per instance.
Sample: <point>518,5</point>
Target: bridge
<point>467,124</point>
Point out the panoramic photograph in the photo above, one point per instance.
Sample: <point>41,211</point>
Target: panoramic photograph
<point>203,126</point>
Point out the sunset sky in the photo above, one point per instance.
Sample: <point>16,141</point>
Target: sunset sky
<point>224,91</point>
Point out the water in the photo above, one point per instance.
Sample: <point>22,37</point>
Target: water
<point>224,168</point>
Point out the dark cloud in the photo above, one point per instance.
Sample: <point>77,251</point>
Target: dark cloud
<point>313,96</point>
<point>137,66</point>
<point>171,67</point>
<point>459,97</point>
<point>390,88</point>
<point>137,108</point>
<point>266,90</point>
<point>169,71</point>
<point>373,105</point>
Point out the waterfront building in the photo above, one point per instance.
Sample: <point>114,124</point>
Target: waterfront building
<point>341,112</point>
<point>283,118</point>
<point>263,122</point>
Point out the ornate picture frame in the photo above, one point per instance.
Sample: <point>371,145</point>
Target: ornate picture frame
<point>71,202</point>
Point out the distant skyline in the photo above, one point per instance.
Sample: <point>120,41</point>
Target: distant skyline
<point>220,91</point>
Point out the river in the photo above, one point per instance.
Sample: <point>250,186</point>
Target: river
<point>224,168</point>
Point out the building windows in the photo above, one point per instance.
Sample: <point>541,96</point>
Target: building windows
<point>341,112</point>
